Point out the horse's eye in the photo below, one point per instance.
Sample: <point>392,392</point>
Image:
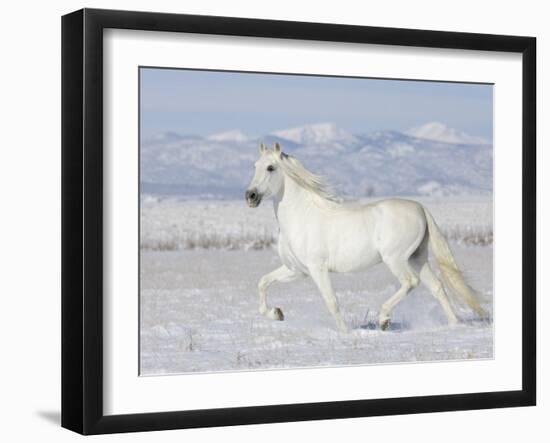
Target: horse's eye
<point>270,168</point>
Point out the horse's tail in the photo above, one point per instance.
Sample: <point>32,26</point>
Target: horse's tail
<point>452,275</point>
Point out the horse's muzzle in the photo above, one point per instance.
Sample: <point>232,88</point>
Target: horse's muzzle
<point>253,198</point>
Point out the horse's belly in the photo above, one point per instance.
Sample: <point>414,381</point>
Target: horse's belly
<point>342,241</point>
<point>350,255</point>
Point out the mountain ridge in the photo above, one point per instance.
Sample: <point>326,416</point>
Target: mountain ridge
<point>375,163</point>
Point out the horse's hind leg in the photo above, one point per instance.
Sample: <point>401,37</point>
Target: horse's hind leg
<point>419,260</point>
<point>436,288</point>
<point>282,274</point>
<point>408,279</point>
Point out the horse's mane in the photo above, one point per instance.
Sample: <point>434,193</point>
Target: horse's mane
<point>317,184</point>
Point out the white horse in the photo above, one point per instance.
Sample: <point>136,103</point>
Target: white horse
<point>320,234</point>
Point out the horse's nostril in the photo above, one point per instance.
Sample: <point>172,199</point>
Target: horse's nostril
<point>251,195</point>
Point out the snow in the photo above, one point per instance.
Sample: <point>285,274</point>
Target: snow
<point>400,150</point>
<point>430,188</point>
<point>170,223</point>
<point>229,136</point>
<point>316,134</point>
<point>439,132</point>
<point>200,264</point>
<point>199,313</point>
<point>166,137</point>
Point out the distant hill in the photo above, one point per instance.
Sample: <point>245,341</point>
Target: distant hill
<point>429,160</point>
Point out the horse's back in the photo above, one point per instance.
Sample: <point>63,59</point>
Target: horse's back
<point>399,206</point>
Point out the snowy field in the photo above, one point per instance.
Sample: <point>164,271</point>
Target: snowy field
<point>200,263</point>
<point>169,223</point>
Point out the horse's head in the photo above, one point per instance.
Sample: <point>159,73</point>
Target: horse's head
<point>268,177</point>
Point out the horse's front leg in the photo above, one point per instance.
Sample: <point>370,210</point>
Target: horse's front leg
<point>320,276</point>
<point>282,274</point>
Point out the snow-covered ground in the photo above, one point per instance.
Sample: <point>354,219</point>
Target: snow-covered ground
<point>200,263</point>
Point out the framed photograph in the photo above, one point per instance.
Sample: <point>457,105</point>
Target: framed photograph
<point>268,221</point>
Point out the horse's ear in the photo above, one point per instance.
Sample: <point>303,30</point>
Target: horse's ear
<point>277,148</point>
<point>262,148</point>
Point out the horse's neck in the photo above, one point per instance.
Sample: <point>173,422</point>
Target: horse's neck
<point>294,203</point>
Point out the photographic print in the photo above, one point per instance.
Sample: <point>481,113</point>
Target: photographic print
<point>298,221</point>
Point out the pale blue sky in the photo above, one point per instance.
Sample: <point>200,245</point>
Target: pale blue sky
<point>207,102</point>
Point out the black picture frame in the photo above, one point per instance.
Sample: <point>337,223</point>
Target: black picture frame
<point>82,220</point>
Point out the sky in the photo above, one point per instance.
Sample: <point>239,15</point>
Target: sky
<point>208,102</point>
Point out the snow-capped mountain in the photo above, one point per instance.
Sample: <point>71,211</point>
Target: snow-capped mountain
<point>376,163</point>
<point>439,132</point>
<point>235,136</point>
<point>317,134</point>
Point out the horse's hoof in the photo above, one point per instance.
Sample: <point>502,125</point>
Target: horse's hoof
<point>385,324</point>
<point>276,314</point>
